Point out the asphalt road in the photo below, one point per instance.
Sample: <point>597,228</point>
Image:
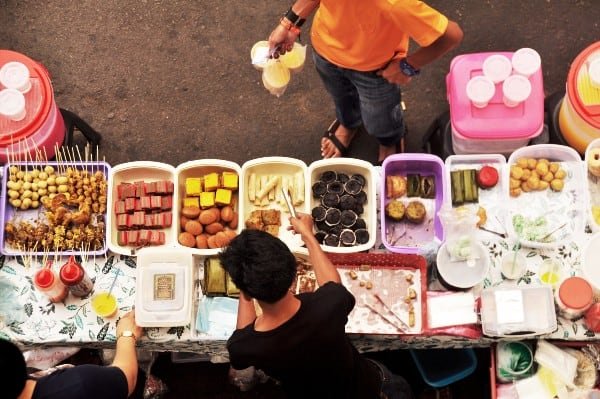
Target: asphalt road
<point>171,81</point>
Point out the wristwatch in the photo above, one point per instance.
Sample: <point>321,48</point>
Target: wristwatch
<point>408,69</point>
<point>127,333</point>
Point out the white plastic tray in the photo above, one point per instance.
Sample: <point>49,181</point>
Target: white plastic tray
<point>130,172</point>
<point>200,168</point>
<point>566,206</point>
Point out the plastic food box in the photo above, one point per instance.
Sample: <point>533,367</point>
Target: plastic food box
<point>197,169</point>
<point>349,166</point>
<point>286,168</point>
<point>164,287</point>
<point>131,172</point>
<point>7,212</point>
<point>418,235</point>
<point>495,128</point>
<point>493,200</point>
<point>592,184</point>
<point>566,206</point>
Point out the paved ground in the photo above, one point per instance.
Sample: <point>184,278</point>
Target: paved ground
<point>171,81</point>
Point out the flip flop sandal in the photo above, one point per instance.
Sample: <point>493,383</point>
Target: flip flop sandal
<point>330,135</point>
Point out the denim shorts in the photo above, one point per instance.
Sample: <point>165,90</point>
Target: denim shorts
<point>363,98</point>
<point>392,386</point>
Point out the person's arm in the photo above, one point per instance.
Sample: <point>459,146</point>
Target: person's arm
<point>325,271</point>
<point>125,354</point>
<point>451,38</point>
<point>246,312</point>
<point>282,38</point>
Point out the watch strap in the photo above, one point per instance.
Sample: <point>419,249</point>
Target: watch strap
<point>292,16</point>
<point>127,334</point>
<point>408,69</point>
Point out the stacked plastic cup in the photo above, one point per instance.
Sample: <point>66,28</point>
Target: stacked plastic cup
<point>12,104</point>
<point>15,75</point>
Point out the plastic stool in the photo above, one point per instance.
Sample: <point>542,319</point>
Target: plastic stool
<point>442,367</point>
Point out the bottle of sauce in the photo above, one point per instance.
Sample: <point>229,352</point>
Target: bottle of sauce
<point>73,275</point>
<point>574,297</point>
<point>47,282</point>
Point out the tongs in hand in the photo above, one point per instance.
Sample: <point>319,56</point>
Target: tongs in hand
<point>288,202</point>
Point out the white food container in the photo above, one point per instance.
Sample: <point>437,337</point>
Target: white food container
<point>131,172</point>
<point>348,166</point>
<point>565,206</point>
<point>288,169</point>
<point>200,168</point>
<point>164,287</point>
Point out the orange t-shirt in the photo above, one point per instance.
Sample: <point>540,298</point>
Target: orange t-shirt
<point>365,34</point>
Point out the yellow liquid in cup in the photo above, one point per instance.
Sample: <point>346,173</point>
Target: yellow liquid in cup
<point>294,60</point>
<point>550,278</point>
<point>276,75</point>
<point>104,304</point>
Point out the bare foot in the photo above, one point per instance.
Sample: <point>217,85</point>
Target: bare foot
<point>328,148</point>
<point>386,151</point>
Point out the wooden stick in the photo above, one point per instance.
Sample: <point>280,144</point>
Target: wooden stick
<point>79,154</point>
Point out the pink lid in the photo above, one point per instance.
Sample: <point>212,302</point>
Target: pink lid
<point>496,121</point>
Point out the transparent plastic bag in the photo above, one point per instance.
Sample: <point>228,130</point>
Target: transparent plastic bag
<point>460,226</point>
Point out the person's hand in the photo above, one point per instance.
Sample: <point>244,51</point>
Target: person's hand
<point>393,74</point>
<point>281,41</point>
<point>302,224</point>
<point>127,322</point>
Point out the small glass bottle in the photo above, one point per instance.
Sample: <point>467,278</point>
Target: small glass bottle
<point>46,281</point>
<point>73,275</point>
<point>573,297</point>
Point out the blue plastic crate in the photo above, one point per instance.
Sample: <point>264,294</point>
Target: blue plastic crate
<point>442,367</point>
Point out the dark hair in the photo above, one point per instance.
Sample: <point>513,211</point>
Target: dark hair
<point>260,265</point>
<point>12,368</point>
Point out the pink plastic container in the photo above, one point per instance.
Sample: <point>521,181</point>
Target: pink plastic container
<point>43,125</point>
<point>495,128</point>
<point>417,235</point>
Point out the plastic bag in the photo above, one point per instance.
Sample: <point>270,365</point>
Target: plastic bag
<point>460,226</point>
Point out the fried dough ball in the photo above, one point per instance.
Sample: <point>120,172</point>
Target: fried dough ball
<point>560,174</point>
<point>415,212</point>
<point>522,163</point>
<point>516,172</point>
<point>557,184</point>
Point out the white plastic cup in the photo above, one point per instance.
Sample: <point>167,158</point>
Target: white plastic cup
<point>12,104</point>
<point>497,67</point>
<point>526,61</point>
<point>480,91</point>
<point>515,89</point>
<point>15,75</point>
<point>594,73</point>
<point>513,267</point>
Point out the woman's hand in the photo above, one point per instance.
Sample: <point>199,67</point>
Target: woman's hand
<point>127,322</point>
<point>281,41</point>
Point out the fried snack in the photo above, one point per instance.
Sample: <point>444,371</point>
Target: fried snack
<point>255,222</point>
<point>395,186</point>
<point>395,210</point>
<point>272,229</point>
<point>415,212</point>
<point>271,217</point>
<point>482,214</point>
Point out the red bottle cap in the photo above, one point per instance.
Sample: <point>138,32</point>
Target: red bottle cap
<point>71,272</point>
<point>44,278</point>
<point>576,293</point>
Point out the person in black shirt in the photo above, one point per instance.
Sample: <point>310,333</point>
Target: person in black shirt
<point>300,339</point>
<point>86,381</point>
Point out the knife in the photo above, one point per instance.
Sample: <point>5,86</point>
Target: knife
<point>288,202</point>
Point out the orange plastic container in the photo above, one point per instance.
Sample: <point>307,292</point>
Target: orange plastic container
<point>43,125</point>
<point>579,115</point>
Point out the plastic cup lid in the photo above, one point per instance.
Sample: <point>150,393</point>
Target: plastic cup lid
<point>526,61</point>
<point>15,75</point>
<point>12,103</point>
<point>497,67</point>
<point>594,72</point>
<point>575,293</point>
<point>480,89</point>
<point>516,88</point>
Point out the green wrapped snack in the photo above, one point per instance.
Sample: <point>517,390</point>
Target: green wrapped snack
<point>413,183</point>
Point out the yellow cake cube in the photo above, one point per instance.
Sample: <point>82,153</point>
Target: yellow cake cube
<point>230,180</point>
<point>223,197</point>
<point>191,201</point>
<point>207,199</point>
<point>211,182</point>
<point>193,186</point>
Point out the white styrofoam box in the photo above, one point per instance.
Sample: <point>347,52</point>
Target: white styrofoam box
<point>131,172</point>
<point>565,206</point>
<point>275,166</point>
<point>172,306</point>
<point>348,166</point>
<point>199,168</point>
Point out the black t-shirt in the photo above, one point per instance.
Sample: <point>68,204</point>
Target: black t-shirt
<point>310,353</point>
<point>86,382</point>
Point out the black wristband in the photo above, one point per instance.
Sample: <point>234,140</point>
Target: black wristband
<point>292,17</point>
<point>300,22</point>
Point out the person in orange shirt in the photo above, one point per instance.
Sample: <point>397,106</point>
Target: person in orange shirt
<point>361,54</point>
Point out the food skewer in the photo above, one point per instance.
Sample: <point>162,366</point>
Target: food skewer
<point>502,235</point>
<point>389,309</point>
<point>384,317</point>
<point>553,231</point>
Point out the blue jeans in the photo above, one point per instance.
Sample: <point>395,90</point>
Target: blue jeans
<point>392,386</point>
<point>363,98</point>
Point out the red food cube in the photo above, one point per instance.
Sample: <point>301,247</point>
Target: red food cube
<point>170,187</point>
<point>149,220</point>
<point>161,187</point>
<point>155,201</point>
<point>129,205</point>
<point>139,188</point>
<point>122,190</point>
<point>138,204</point>
<point>132,237</point>
<point>146,204</point>
<point>155,237</point>
<point>123,221</point>
<point>150,188</point>
<point>157,220</point>
<point>138,219</point>
<point>166,202</point>
<point>144,237</point>
<point>161,237</point>
<point>119,207</point>
<point>122,237</point>
<point>167,219</point>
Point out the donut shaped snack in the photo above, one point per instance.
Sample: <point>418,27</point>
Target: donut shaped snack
<point>594,162</point>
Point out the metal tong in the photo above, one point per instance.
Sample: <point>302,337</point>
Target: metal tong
<point>403,326</point>
<point>288,202</point>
